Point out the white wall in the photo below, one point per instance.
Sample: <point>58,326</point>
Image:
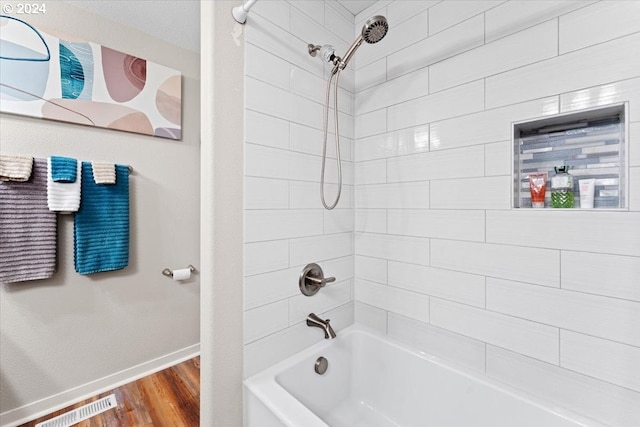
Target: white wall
<point>221,217</point>
<point>547,301</point>
<point>68,336</point>
<point>286,226</point>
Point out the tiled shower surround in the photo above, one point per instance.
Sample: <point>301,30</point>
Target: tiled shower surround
<point>425,245</point>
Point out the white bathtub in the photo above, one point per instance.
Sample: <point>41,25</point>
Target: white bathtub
<point>374,382</point>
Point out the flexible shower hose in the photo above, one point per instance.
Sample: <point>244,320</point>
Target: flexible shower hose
<point>324,146</point>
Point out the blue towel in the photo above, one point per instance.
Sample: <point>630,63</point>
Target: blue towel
<point>63,169</point>
<point>101,225</point>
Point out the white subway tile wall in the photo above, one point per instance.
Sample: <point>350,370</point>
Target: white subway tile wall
<point>593,397</point>
<point>285,224</point>
<point>515,16</point>
<point>425,245</point>
<point>448,13</point>
<point>371,317</point>
<point>523,336</point>
<point>547,301</point>
<point>395,300</point>
<point>455,349</point>
<point>600,358</point>
<point>492,58</point>
<point>612,18</point>
<point>595,65</point>
<point>454,40</point>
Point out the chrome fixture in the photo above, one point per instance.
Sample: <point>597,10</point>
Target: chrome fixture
<point>312,279</point>
<point>373,31</point>
<point>321,365</point>
<point>327,52</point>
<point>314,321</point>
<point>239,13</point>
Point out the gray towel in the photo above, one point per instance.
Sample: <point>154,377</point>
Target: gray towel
<point>27,228</point>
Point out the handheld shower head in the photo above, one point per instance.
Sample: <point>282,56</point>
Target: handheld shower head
<point>373,31</point>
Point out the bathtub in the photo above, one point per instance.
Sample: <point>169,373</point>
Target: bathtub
<point>372,381</point>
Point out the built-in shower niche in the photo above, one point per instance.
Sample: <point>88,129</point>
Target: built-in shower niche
<point>593,143</point>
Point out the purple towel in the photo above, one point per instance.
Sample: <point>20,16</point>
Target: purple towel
<point>27,228</point>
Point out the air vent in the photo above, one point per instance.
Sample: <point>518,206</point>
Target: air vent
<point>80,414</point>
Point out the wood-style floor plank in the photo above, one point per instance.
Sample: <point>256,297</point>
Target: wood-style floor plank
<point>169,398</point>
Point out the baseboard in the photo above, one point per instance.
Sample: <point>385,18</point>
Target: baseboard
<point>37,409</point>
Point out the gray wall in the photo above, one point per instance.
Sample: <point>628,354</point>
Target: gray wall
<point>70,335</point>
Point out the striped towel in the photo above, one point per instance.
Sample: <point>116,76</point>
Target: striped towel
<point>27,228</point>
<point>15,168</point>
<point>63,169</point>
<point>104,173</point>
<point>63,197</point>
<point>101,226</point>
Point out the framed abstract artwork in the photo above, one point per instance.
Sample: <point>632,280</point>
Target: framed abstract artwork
<point>73,81</point>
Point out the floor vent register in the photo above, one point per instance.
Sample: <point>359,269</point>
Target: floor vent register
<point>80,414</point>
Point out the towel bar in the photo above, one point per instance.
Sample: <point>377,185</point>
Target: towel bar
<point>169,273</point>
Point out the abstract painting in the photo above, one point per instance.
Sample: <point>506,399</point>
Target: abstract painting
<point>44,76</point>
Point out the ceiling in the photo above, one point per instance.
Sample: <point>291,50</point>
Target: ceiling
<point>176,22</point>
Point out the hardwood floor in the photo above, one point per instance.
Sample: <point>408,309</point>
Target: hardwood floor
<point>169,398</point>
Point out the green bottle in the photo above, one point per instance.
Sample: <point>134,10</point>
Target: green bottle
<point>562,188</point>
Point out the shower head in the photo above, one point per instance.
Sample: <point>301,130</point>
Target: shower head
<point>373,31</point>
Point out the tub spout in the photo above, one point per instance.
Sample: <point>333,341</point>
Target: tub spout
<point>315,321</point>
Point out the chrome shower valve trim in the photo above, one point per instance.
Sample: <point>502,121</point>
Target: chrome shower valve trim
<point>312,279</point>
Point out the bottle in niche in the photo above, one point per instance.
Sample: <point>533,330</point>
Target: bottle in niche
<point>562,188</point>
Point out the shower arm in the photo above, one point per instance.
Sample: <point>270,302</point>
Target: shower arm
<point>313,49</point>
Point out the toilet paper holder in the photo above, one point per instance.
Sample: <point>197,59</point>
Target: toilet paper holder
<point>169,273</point>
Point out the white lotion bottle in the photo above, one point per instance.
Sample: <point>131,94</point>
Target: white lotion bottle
<point>587,191</point>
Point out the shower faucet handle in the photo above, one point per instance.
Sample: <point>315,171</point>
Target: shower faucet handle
<point>312,279</point>
<point>321,282</point>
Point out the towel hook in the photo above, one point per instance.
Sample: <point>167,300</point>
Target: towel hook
<point>169,273</point>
